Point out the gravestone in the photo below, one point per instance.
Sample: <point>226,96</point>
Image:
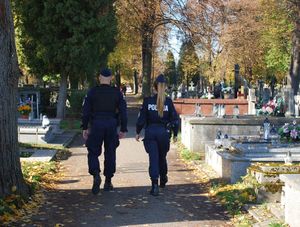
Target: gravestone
<point>297,105</point>
<point>260,89</point>
<point>236,79</point>
<point>251,102</point>
<point>266,95</point>
<point>289,100</point>
<point>292,199</point>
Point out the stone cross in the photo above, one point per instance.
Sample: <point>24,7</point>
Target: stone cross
<point>192,86</point>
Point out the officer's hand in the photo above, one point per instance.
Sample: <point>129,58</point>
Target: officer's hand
<point>85,134</point>
<point>122,135</point>
<point>137,137</point>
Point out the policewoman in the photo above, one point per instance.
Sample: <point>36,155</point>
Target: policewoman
<point>159,118</point>
<point>103,107</point>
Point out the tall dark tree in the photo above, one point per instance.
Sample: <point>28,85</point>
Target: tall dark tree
<point>188,64</point>
<point>294,77</point>
<point>11,179</point>
<point>67,38</point>
<point>170,71</point>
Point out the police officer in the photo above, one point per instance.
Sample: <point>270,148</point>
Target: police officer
<point>159,116</point>
<point>102,107</point>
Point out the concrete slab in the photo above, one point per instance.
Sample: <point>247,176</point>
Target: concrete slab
<point>40,155</point>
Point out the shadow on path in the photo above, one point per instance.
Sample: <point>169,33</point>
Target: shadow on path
<point>130,206</point>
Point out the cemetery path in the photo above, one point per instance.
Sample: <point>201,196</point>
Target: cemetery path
<point>182,203</point>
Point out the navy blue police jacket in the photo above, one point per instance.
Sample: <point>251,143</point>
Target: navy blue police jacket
<point>104,101</point>
<point>149,115</point>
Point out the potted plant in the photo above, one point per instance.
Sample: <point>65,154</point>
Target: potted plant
<point>24,109</point>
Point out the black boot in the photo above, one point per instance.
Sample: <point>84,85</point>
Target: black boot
<point>108,186</point>
<point>154,189</point>
<point>163,181</point>
<point>96,184</point>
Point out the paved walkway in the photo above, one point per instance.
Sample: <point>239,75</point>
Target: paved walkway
<point>181,203</point>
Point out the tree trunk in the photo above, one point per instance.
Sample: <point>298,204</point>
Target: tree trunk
<point>147,44</point>
<point>294,77</point>
<point>295,62</point>
<point>74,81</point>
<point>11,178</point>
<point>62,97</point>
<point>136,83</point>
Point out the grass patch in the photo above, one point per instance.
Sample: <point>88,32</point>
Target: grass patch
<point>70,124</point>
<point>41,146</point>
<point>278,224</point>
<point>186,154</point>
<point>190,156</point>
<point>25,154</point>
<point>235,196</point>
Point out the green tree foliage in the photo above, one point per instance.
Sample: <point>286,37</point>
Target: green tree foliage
<point>170,71</point>
<point>257,34</point>
<point>68,37</point>
<point>188,64</point>
<point>277,37</point>
<point>126,55</point>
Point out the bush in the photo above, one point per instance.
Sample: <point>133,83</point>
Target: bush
<point>75,99</point>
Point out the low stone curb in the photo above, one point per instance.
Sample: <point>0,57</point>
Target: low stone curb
<point>40,155</point>
<point>262,215</point>
<point>70,140</point>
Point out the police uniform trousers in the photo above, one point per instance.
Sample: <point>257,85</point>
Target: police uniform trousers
<point>103,131</point>
<point>157,145</point>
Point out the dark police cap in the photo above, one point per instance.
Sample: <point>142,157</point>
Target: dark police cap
<point>161,79</point>
<point>105,72</point>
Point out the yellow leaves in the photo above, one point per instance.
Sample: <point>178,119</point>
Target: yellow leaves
<point>245,195</point>
<point>6,218</point>
<point>41,173</point>
<point>38,173</point>
<point>223,201</point>
<point>59,225</point>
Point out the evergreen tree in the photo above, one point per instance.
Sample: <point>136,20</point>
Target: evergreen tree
<point>188,64</point>
<point>66,38</point>
<point>170,71</point>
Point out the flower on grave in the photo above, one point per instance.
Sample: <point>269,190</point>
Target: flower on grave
<point>291,132</point>
<point>275,107</point>
<point>294,134</point>
<point>269,109</point>
<point>24,108</point>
